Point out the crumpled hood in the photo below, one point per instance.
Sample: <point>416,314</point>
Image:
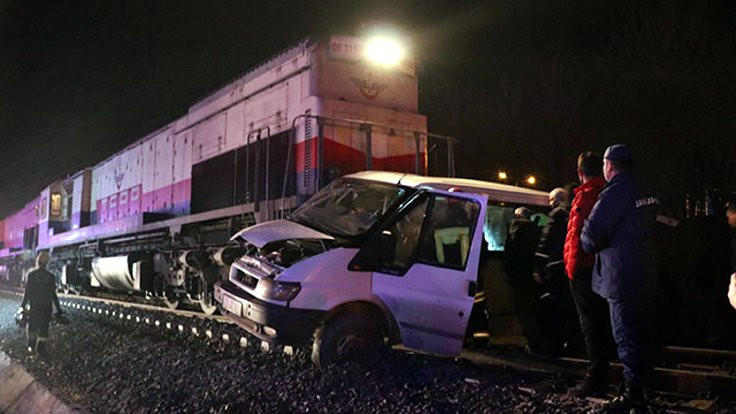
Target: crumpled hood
<point>271,231</point>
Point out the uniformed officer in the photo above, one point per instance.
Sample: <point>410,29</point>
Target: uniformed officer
<point>620,232</point>
<point>38,299</point>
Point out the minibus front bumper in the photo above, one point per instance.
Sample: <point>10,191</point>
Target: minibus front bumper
<point>267,321</point>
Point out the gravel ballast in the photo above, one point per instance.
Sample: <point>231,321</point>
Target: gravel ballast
<point>102,363</point>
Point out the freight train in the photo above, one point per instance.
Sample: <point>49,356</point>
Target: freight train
<point>156,217</point>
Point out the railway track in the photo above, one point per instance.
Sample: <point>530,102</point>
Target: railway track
<point>150,306</point>
<point>694,379</point>
<point>157,315</point>
<point>695,372</point>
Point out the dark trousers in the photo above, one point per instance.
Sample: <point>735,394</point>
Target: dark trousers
<point>37,331</point>
<point>595,325</point>
<point>526,305</point>
<point>560,327</point>
<point>631,323</point>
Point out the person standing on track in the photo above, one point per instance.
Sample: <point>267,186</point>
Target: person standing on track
<point>39,299</point>
<point>592,309</point>
<point>620,232</point>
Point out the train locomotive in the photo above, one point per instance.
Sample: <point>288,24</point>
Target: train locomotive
<point>156,218</point>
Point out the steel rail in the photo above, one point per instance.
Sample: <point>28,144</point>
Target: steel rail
<point>142,306</point>
<point>695,381</point>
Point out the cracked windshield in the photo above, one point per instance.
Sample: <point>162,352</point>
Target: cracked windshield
<point>348,207</point>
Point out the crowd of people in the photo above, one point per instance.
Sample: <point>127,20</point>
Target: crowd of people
<point>603,245</point>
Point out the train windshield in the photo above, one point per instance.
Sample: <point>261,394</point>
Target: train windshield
<point>348,207</point>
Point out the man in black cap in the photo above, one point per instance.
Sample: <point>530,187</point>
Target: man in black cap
<point>40,297</point>
<point>620,232</point>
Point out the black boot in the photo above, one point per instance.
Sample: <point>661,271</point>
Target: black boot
<point>633,399</point>
<point>41,348</point>
<point>591,386</point>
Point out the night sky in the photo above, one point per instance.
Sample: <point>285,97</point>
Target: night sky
<point>82,79</point>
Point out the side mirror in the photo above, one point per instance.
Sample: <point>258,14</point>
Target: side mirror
<point>378,251</point>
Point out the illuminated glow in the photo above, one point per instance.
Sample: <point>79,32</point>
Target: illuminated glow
<point>384,50</point>
<point>502,175</point>
<point>531,180</point>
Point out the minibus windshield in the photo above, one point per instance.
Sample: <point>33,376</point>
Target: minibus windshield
<point>348,207</point>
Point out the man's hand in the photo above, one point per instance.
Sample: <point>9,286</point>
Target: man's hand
<point>20,317</point>
<point>732,291</point>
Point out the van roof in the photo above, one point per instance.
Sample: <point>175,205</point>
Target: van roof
<point>503,193</point>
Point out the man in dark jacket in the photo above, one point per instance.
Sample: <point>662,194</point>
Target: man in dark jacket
<point>556,306</point>
<point>592,309</point>
<point>620,232</point>
<point>38,299</point>
<point>518,263</point>
<point>552,239</point>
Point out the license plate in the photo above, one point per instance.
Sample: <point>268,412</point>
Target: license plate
<point>231,305</point>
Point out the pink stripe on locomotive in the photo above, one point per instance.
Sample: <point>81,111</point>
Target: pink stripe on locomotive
<point>17,224</point>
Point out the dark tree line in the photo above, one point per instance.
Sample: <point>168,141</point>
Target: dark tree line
<point>657,75</point>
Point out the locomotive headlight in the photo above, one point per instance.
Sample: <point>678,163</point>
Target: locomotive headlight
<point>271,289</point>
<point>384,50</point>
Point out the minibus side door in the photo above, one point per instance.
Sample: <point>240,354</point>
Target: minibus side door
<point>428,276</point>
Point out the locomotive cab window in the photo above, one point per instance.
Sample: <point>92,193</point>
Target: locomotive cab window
<point>55,204</point>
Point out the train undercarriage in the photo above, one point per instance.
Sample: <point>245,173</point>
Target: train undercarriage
<point>175,262</point>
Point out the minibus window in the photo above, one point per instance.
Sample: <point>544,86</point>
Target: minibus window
<point>497,225</point>
<point>448,233</point>
<point>405,232</point>
<point>498,219</point>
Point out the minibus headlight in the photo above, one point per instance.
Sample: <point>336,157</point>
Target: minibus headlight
<point>271,289</point>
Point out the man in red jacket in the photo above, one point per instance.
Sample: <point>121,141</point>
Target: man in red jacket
<point>592,309</point>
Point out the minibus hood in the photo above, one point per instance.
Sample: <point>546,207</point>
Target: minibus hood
<point>271,231</point>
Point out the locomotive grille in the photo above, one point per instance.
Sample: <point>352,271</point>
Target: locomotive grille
<point>246,279</point>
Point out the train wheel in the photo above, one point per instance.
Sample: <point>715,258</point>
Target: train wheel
<point>207,298</point>
<point>171,299</point>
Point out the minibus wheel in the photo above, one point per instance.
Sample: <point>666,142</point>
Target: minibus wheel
<point>347,336</point>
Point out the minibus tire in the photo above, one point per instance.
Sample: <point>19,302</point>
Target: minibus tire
<point>347,336</point>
